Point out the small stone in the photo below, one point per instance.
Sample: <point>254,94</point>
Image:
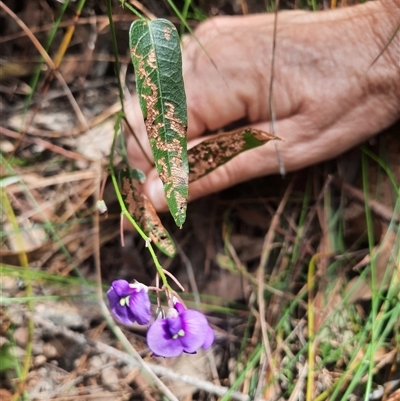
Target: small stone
<point>49,351</point>
<point>53,349</point>
<point>19,352</point>
<point>16,313</point>
<point>126,370</point>
<point>39,360</point>
<point>21,335</point>
<point>109,378</point>
<point>37,347</point>
<point>96,363</point>
<point>9,283</point>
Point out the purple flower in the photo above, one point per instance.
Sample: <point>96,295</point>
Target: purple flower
<point>183,330</point>
<point>129,302</point>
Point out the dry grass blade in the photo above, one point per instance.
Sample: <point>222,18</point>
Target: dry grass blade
<point>32,181</point>
<point>381,210</point>
<point>260,293</point>
<point>46,145</point>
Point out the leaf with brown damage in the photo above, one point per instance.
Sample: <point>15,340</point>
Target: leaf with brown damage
<point>212,153</point>
<point>156,55</point>
<point>143,212</point>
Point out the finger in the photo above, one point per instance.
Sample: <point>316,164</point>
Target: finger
<point>139,156</point>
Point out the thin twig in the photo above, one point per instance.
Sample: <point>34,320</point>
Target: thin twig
<point>143,9</point>
<point>47,145</point>
<point>386,46</point>
<point>167,273</point>
<point>296,393</point>
<point>307,223</point>
<point>191,275</point>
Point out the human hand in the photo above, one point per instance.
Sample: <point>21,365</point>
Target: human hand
<point>326,96</point>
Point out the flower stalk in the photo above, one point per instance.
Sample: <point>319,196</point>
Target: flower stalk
<point>124,212</point>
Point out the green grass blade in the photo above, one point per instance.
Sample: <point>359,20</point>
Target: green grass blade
<point>156,55</point>
<point>253,361</point>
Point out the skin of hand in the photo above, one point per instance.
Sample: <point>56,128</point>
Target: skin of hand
<point>328,95</point>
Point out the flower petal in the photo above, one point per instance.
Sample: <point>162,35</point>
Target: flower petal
<point>178,306</point>
<point>174,325</point>
<point>122,288</point>
<point>113,298</point>
<point>139,307</point>
<point>120,312</point>
<point>209,338</point>
<point>160,341</point>
<point>195,325</point>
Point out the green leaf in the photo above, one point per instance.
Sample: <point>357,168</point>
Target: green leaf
<point>156,55</point>
<point>141,209</point>
<point>7,358</point>
<point>138,175</point>
<point>212,153</point>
